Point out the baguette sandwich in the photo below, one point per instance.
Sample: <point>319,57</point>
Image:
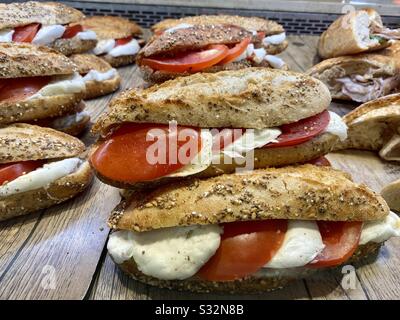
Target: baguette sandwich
<point>40,85</point>
<point>375,126</point>
<point>45,24</point>
<point>39,167</point>
<point>210,44</point>
<point>99,76</point>
<point>355,32</point>
<point>248,232</point>
<point>249,118</point>
<point>360,77</point>
<point>118,39</point>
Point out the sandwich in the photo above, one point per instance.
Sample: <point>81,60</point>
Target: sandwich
<point>99,76</point>
<point>375,126</point>
<point>355,32</point>
<point>231,120</point>
<point>51,24</point>
<point>118,38</point>
<point>360,77</point>
<point>210,44</point>
<point>248,232</point>
<point>39,167</point>
<point>38,84</point>
<point>392,52</point>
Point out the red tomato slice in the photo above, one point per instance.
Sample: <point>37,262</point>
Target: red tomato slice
<point>301,131</point>
<point>189,61</point>
<point>11,171</point>
<point>72,31</point>
<point>246,246</point>
<point>20,89</point>
<point>123,157</point>
<point>341,240</point>
<point>25,33</point>
<point>236,51</point>
<point>321,161</point>
<point>122,41</point>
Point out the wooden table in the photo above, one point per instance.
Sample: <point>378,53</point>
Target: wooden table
<point>60,253</point>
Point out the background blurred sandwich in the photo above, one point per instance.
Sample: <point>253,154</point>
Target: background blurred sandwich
<point>45,24</point>
<point>39,167</point>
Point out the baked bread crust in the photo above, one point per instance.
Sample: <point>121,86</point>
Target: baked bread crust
<point>86,62</point>
<point>304,192</point>
<point>96,89</point>
<point>109,27</point>
<point>56,192</point>
<point>277,278</point>
<point>248,98</point>
<point>19,60</point>
<point>73,45</point>
<point>23,142</point>
<point>119,61</point>
<point>47,13</point>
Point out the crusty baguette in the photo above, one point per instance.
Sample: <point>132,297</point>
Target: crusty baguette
<point>56,192</point>
<point>73,45</point>
<point>39,108</point>
<point>304,192</point>
<point>109,27</point>
<point>393,52</point>
<point>275,279</point>
<point>96,89</point>
<point>119,61</point>
<point>248,98</point>
<point>344,37</point>
<point>20,14</point>
<point>249,23</point>
<point>23,142</point>
<point>328,71</point>
<point>19,60</point>
<point>263,158</point>
<point>72,124</point>
<point>372,124</point>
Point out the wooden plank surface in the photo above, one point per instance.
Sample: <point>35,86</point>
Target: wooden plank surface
<point>67,243</point>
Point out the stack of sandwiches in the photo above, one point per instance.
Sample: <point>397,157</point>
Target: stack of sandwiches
<point>350,70</point>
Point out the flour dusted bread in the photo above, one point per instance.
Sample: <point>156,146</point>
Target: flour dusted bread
<point>248,98</point>
<point>73,45</point>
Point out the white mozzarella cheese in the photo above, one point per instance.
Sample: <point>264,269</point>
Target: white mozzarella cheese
<point>40,177</point>
<point>6,35</point>
<point>274,39</point>
<point>48,34</point>
<point>259,55</point>
<point>87,35</point>
<point>337,126</point>
<point>274,61</point>
<point>130,48</point>
<point>61,85</point>
<point>170,253</point>
<point>104,46</point>
<point>179,26</point>
<point>94,75</point>
<point>302,243</point>
<point>380,231</point>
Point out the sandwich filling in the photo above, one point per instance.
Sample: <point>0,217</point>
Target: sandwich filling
<point>32,175</point>
<point>45,35</point>
<point>237,250</point>
<point>98,76</point>
<point>163,151</point>
<point>117,47</point>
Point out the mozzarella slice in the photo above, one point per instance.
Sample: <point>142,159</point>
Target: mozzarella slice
<point>94,75</point>
<point>40,177</point>
<point>380,231</point>
<point>104,46</point>
<point>48,34</point>
<point>301,245</point>
<point>131,48</point>
<point>337,126</point>
<point>274,39</point>
<point>274,61</point>
<point>6,35</point>
<point>179,26</point>
<point>87,35</point>
<point>169,254</point>
<point>259,55</point>
<point>61,85</point>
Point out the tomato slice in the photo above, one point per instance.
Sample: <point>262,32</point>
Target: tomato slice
<point>189,61</point>
<point>11,171</point>
<point>126,156</point>
<point>246,246</point>
<point>19,89</point>
<point>122,41</point>
<point>72,31</point>
<point>301,131</point>
<point>236,51</point>
<point>341,240</point>
<point>25,33</point>
<point>321,161</point>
